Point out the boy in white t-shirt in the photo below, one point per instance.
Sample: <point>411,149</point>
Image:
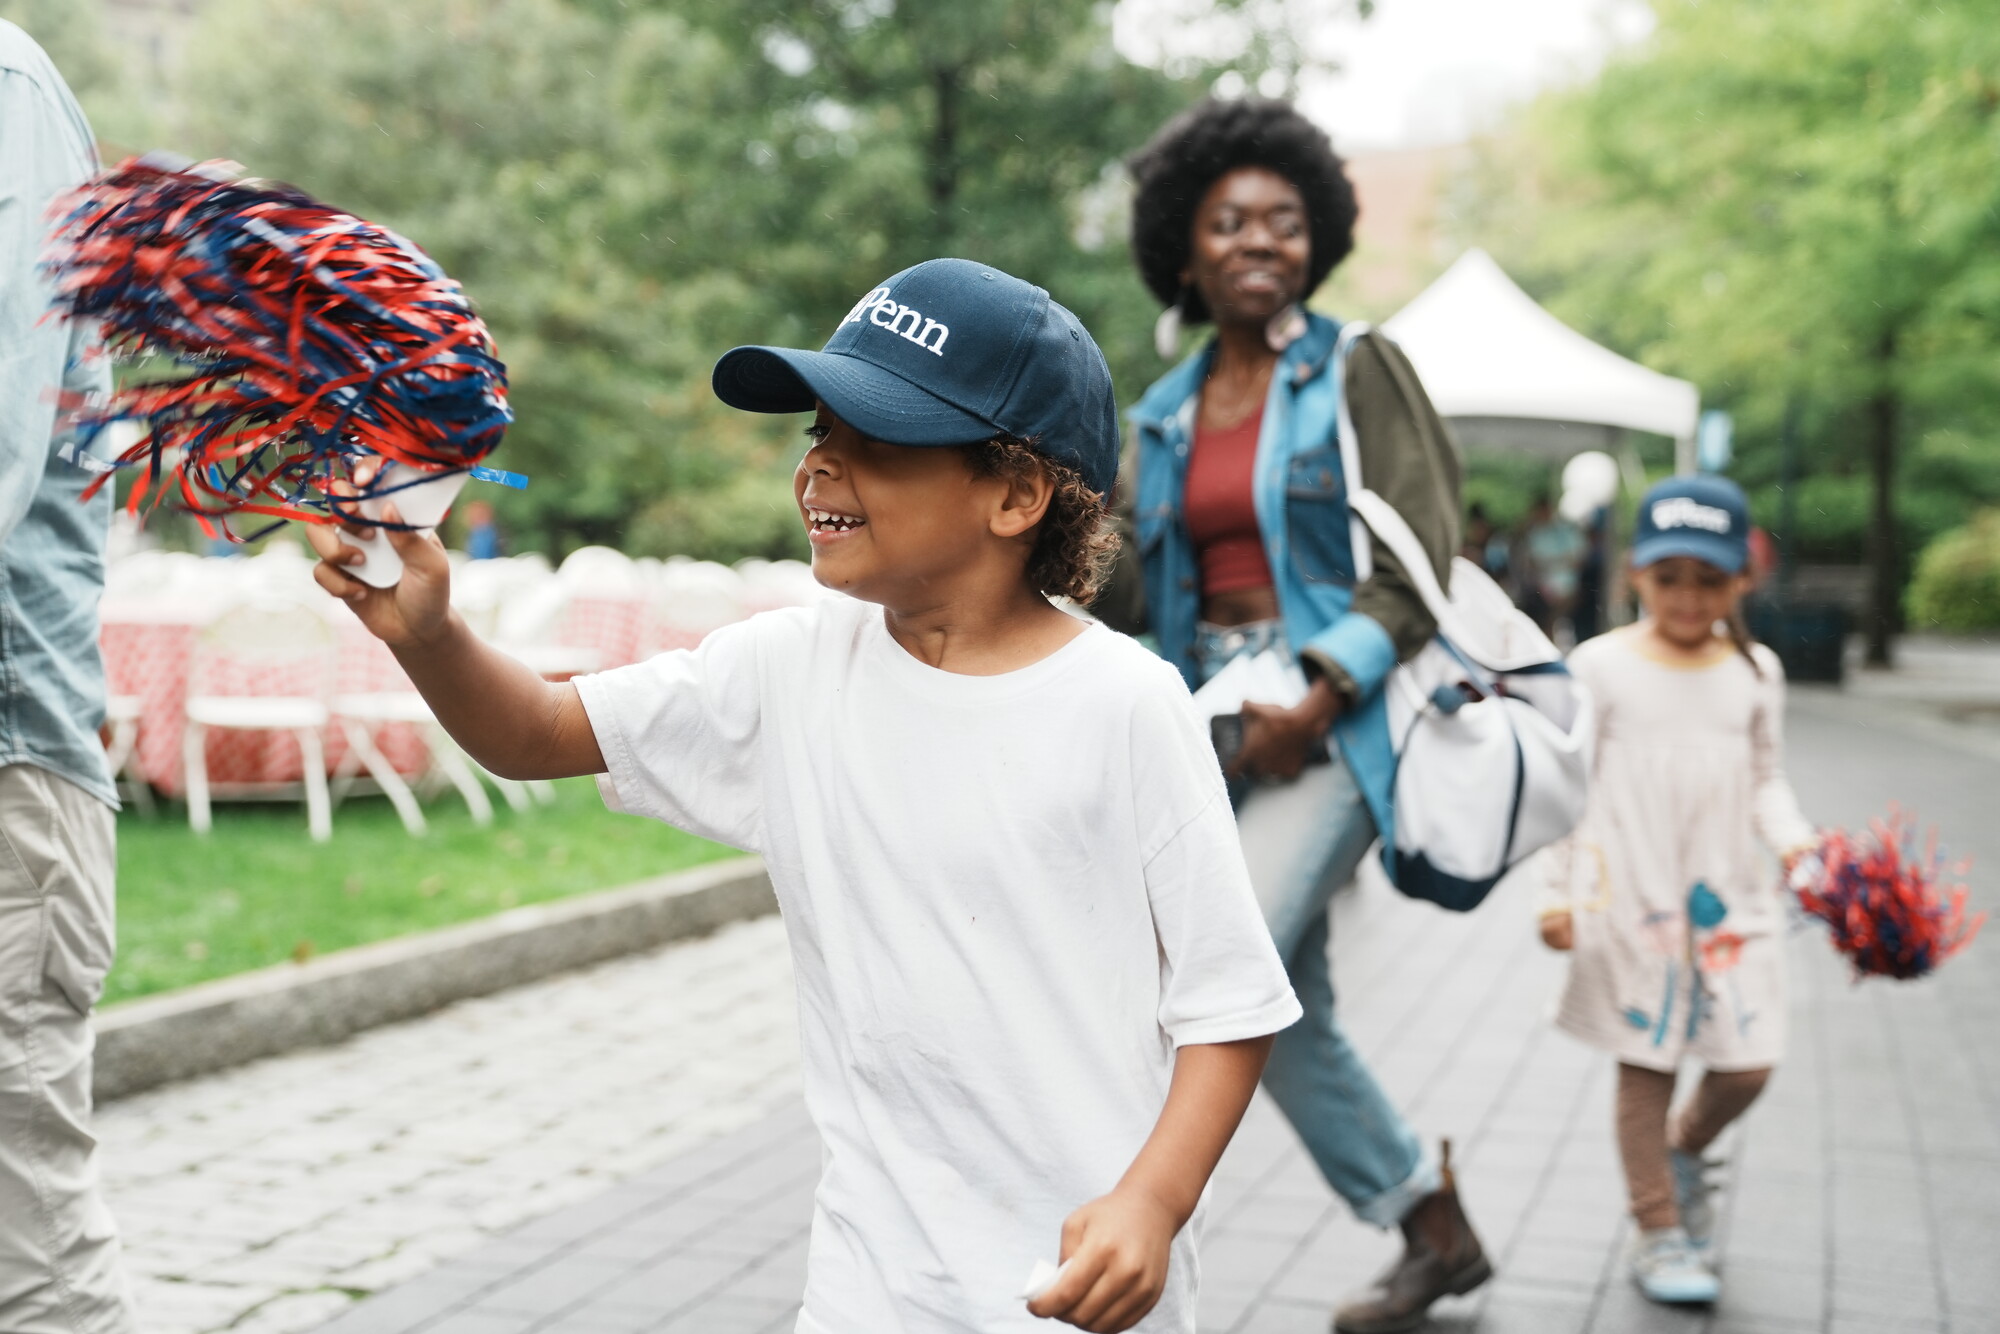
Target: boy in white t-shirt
<point>1035,993</point>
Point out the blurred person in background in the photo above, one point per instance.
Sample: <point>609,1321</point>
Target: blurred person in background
<point>1478,532</point>
<point>1484,544</point>
<point>60,1271</point>
<point>1237,498</point>
<point>1763,558</point>
<point>1549,557</point>
<point>1586,615</point>
<point>482,534</point>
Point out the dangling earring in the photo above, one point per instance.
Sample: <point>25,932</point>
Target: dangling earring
<point>1167,329</point>
<point>1285,328</point>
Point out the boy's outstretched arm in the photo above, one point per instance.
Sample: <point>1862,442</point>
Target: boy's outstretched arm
<point>1116,1246</point>
<point>505,716</point>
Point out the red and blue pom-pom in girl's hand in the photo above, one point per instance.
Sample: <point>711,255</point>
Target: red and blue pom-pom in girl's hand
<point>304,340</point>
<point>1891,912</point>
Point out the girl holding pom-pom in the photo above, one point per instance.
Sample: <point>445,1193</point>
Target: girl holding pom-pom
<point>1673,920</point>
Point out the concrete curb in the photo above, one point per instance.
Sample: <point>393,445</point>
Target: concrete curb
<point>218,1024</point>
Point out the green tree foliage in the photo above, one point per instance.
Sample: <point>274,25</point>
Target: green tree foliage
<point>72,33</point>
<point>628,189</point>
<point>1791,204</point>
<point>561,166</point>
<point>992,131</point>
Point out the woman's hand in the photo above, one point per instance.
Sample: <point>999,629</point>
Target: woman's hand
<point>414,610</point>
<point>1558,930</point>
<point>1277,742</point>
<point>1115,1249</point>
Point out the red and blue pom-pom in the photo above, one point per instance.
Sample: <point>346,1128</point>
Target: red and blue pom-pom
<point>1892,912</point>
<point>303,339</point>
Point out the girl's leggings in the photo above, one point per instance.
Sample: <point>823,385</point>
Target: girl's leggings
<point>1643,1138</point>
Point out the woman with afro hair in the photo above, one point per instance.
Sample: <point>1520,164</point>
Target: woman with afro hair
<point>1242,540</point>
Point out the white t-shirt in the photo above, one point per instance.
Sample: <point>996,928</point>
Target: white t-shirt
<point>1009,898</point>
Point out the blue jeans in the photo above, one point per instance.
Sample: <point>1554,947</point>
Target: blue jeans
<point>1303,840</point>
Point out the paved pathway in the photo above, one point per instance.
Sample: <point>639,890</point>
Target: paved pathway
<point>269,1198</point>
<point>1865,1194</point>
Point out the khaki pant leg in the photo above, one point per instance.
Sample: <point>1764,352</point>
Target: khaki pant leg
<point>59,1265</point>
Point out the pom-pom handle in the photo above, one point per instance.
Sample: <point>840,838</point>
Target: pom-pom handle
<point>422,499</point>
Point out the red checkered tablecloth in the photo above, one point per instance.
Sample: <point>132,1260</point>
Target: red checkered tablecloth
<point>147,652</point>
<point>609,625</point>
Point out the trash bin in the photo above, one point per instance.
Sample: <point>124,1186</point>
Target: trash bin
<point>1810,638</point>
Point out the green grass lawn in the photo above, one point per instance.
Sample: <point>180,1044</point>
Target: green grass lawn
<point>257,891</point>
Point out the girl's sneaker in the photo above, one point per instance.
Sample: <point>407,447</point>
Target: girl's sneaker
<point>1668,1269</point>
<point>1696,1198</point>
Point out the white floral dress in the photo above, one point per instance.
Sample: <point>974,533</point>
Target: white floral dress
<point>1678,919</point>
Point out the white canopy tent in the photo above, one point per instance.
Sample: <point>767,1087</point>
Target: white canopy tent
<point>1511,376</point>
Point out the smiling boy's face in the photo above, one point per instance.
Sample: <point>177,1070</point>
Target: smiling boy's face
<point>890,523</point>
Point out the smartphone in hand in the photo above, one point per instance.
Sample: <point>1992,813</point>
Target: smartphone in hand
<point>1225,733</point>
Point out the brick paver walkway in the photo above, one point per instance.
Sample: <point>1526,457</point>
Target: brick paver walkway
<point>270,1198</point>
<point>1864,1194</point>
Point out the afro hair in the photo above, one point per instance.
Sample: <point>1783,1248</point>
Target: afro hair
<point>1205,143</point>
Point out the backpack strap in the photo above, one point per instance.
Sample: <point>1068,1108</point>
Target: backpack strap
<point>1369,513</point>
<point>1394,532</point>
<point>1350,447</point>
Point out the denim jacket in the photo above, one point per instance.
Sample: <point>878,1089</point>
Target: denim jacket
<point>1352,633</point>
<point>51,543</point>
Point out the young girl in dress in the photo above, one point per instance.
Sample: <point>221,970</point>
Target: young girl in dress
<point>1674,919</point>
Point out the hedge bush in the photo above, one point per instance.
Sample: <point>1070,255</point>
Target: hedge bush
<point>1957,583</point>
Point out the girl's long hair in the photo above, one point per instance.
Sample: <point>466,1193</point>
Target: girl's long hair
<point>1739,635</point>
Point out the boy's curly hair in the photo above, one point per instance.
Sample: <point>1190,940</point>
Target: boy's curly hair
<point>1076,541</point>
<point>1206,142</point>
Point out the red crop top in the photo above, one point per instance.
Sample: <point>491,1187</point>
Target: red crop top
<point>1220,509</point>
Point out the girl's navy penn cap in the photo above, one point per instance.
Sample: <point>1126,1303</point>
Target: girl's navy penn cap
<point>1705,517</point>
<point>948,353</point>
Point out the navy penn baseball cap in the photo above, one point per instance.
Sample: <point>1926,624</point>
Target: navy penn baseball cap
<point>1705,517</point>
<point>948,353</point>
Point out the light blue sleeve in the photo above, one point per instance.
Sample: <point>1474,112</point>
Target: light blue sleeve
<point>43,151</point>
<point>1358,645</point>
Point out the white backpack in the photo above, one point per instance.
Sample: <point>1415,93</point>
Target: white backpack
<point>1492,734</point>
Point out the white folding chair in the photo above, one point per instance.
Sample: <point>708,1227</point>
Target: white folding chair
<point>361,715</point>
<point>688,601</point>
<point>601,571</point>
<point>121,716</point>
<point>287,642</point>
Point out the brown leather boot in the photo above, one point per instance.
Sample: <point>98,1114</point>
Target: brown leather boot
<point>1441,1256</point>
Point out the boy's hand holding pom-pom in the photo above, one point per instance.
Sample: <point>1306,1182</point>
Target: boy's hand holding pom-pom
<point>416,609</point>
<point>1114,1253</point>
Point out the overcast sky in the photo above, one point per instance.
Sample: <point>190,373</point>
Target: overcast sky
<point>1422,72</point>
